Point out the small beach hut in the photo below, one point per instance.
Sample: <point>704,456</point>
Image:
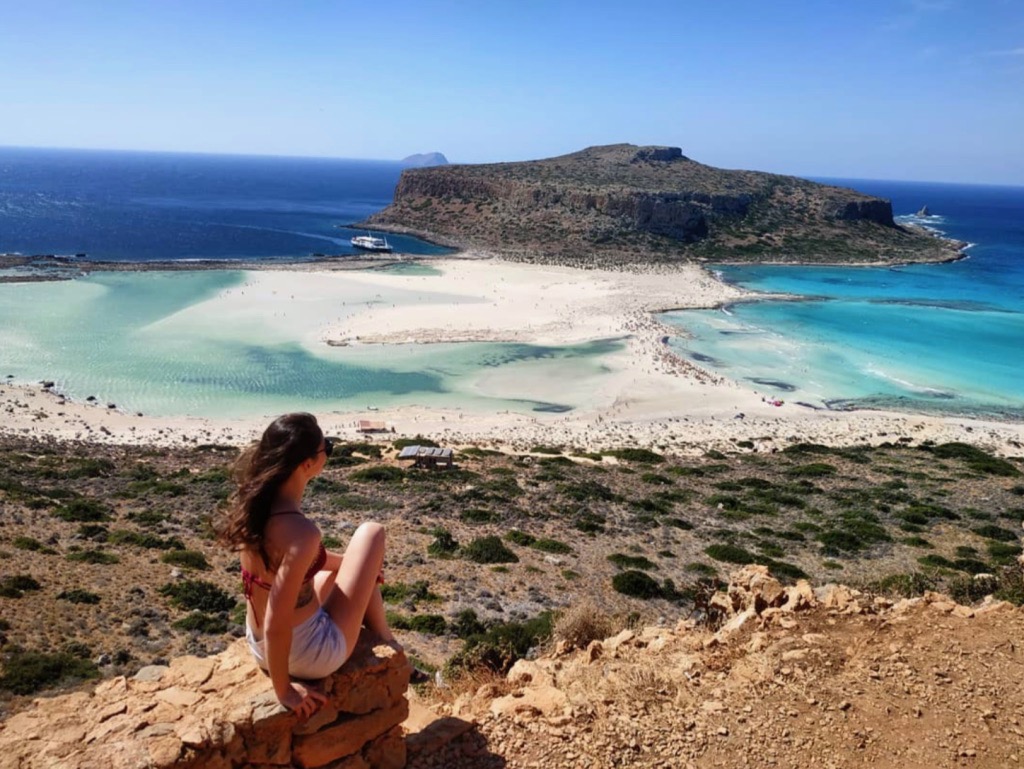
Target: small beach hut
<point>429,457</point>
<point>367,426</point>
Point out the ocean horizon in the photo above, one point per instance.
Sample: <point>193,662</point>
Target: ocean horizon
<point>935,338</point>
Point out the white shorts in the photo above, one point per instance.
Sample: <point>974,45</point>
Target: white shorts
<point>318,647</point>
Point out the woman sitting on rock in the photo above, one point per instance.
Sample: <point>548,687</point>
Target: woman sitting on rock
<point>306,604</point>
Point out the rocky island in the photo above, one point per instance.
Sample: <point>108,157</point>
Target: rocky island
<point>623,204</point>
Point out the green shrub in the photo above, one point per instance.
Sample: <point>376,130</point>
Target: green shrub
<point>904,585</point>
<point>15,585</point>
<point>546,545</point>
<point>703,569</point>
<point>419,440</point>
<point>27,672</point>
<point>936,561</point>
<point>90,468</point>
<point>98,557</point>
<point>33,545</point>
<point>187,559</point>
<point>623,561</point>
<point>138,539</point>
<point>812,470</point>
<point>1003,553</point>
<point>477,515</point>
<point>489,550</point>
<point>379,474</point>
<point>656,479</point>
<point>198,595</point>
<point>589,523</point>
<point>974,458</point>
<point>730,553</point>
<point>569,575</point>
<point>499,647</point>
<point>429,624</point>
<point>677,523</point>
<point>149,518</point>
<point>917,542</point>
<point>546,450</point>
<point>77,595</point>
<point>444,544</point>
<point>396,592</point>
<point>83,510</point>
<point>520,538</point>
<point>467,624</point>
<point>585,491</point>
<point>636,584</point>
<point>996,533</point>
<point>201,622</point>
<point>643,456</point>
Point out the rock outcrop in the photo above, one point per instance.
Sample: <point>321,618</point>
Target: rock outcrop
<point>626,204</point>
<point>218,713</point>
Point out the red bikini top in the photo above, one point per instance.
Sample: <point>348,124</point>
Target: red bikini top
<point>249,579</point>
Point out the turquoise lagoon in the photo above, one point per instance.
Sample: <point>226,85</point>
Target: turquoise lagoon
<point>146,342</point>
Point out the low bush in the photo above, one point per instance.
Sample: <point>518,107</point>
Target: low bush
<point>643,456</point>
<point>27,672</point>
<point>995,532</point>
<point>730,553</point>
<point>489,550</point>
<point>812,470</point>
<point>904,585</point>
<point>379,474</point>
<point>98,557</point>
<point>16,585</point>
<point>974,458</point>
<point>636,584</point>
<point>498,648</point>
<point>77,595</point>
<point>444,544</point>
<point>520,538</point>
<point>419,440</point>
<point>32,545</point>
<point>83,510</point>
<point>397,592</point>
<point>547,545</point>
<point>198,595</point>
<point>582,623</point>
<point>623,561</point>
<point>200,622</point>
<point>187,559</point>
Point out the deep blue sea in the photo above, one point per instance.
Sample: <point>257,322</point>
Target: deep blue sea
<point>139,206</point>
<point>945,338</point>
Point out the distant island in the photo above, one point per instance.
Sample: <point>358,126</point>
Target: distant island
<point>624,204</point>
<point>424,160</point>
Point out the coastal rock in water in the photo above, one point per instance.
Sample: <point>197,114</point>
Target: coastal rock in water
<point>924,211</point>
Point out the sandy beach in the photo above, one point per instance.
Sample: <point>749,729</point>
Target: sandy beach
<point>646,396</point>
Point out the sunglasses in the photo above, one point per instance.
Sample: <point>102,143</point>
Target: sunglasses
<point>328,447</point>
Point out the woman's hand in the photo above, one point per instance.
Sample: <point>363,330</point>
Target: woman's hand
<point>303,700</point>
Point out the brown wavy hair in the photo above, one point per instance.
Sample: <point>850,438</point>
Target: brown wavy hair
<point>259,473</point>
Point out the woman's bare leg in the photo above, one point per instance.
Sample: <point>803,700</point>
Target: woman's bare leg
<point>355,598</point>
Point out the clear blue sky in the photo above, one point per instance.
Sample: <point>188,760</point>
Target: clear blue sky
<point>892,89</point>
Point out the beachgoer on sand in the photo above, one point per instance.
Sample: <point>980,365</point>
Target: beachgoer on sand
<point>306,604</point>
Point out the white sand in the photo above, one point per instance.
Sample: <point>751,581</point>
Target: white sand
<point>647,398</point>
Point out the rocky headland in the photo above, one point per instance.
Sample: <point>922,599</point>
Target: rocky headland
<point>623,204</point>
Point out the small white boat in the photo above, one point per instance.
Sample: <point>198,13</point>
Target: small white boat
<point>368,242</point>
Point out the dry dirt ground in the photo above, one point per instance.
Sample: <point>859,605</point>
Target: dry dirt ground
<point>123,523</point>
<point>912,687</point>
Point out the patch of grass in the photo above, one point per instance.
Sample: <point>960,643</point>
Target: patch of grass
<point>489,550</point>
<point>32,545</point>
<point>187,559</point>
<point>904,585</point>
<point>99,557</point>
<point>547,450</point>
<point>1003,553</point>
<point>656,479</point>
<point>151,541</point>
<point>428,624</point>
<point>77,595</point>
<point>623,561</point>
<point>589,522</point>
<point>995,532</point>
<point>917,542</point>
<point>586,491</point>
<point>935,561</point>
<point>976,459</point>
<point>812,470</point>
<point>643,456</point>
<point>16,585</point>
<point>419,440</point>
<point>677,523</point>
<point>477,515</point>
<point>703,569</point>
<point>569,575</point>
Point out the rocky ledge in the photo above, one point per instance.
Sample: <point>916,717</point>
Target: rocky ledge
<point>623,204</point>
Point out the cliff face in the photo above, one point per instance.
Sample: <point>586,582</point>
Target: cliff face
<point>623,203</point>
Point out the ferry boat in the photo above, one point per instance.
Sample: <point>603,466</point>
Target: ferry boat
<point>368,242</point>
